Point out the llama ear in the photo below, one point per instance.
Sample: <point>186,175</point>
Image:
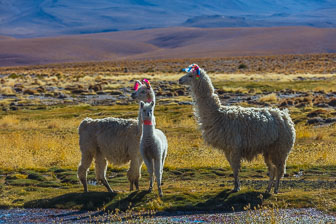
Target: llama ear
<point>146,82</point>
<point>142,104</point>
<point>196,69</point>
<point>136,85</point>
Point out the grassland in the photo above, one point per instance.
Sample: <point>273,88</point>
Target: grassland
<point>40,154</point>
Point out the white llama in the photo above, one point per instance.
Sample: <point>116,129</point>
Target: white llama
<point>115,140</point>
<point>241,133</point>
<point>153,145</point>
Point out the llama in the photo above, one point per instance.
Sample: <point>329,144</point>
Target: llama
<point>112,139</point>
<point>153,145</point>
<point>144,92</point>
<point>241,133</point>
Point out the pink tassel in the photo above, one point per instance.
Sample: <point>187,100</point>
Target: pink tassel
<point>136,86</point>
<point>146,81</point>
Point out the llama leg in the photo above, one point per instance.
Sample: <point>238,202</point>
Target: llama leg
<point>234,161</point>
<point>158,175</point>
<point>149,165</point>
<point>150,169</point>
<point>134,173</point>
<point>235,165</point>
<point>163,162</point>
<point>83,168</point>
<point>271,170</point>
<point>280,170</point>
<point>101,166</point>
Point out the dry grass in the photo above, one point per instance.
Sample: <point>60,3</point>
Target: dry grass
<point>282,64</point>
<point>235,89</point>
<point>9,121</point>
<point>7,90</point>
<point>270,98</point>
<point>37,150</point>
<point>53,141</point>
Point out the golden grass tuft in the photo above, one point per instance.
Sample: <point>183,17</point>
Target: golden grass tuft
<point>184,152</point>
<point>87,79</point>
<point>37,149</point>
<point>235,89</point>
<point>7,90</point>
<point>304,132</point>
<point>9,121</point>
<point>270,98</point>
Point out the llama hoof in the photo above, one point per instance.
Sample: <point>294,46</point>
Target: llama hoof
<point>136,184</point>
<point>149,190</point>
<point>161,195</point>
<point>236,189</point>
<point>276,191</point>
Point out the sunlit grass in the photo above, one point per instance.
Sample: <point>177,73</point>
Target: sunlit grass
<point>272,98</point>
<point>49,139</point>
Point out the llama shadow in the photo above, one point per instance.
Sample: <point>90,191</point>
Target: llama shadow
<point>230,201</point>
<point>90,201</point>
<point>82,201</point>
<point>227,201</point>
<point>132,200</point>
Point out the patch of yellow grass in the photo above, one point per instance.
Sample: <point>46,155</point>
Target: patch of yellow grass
<point>9,121</point>
<point>271,98</point>
<point>87,79</point>
<point>10,82</point>
<point>37,149</point>
<point>53,141</point>
<point>193,153</point>
<point>235,89</point>
<point>7,90</point>
<point>304,132</point>
<point>164,122</point>
<point>325,89</point>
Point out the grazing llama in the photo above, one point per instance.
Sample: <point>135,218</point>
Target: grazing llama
<point>115,140</point>
<point>241,133</point>
<point>153,145</point>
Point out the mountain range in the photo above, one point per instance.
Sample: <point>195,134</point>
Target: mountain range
<point>43,18</point>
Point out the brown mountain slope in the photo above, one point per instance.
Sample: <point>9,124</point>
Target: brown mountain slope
<point>168,43</point>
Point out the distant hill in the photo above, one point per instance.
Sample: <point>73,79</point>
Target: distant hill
<point>175,42</point>
<point>40,18</point>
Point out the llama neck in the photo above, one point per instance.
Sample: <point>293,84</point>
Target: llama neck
<point>151,96</point>
<point>206,101</point>
<point>147,130</point>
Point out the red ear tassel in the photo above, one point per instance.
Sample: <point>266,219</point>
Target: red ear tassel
<point>136,86</point>
<point>146,82</point>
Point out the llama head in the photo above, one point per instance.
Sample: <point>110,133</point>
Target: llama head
<point>143,91</point>
<point>146,112</point>
<point>193,75</point>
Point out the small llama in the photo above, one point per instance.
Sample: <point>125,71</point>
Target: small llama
<point>153,145</point>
